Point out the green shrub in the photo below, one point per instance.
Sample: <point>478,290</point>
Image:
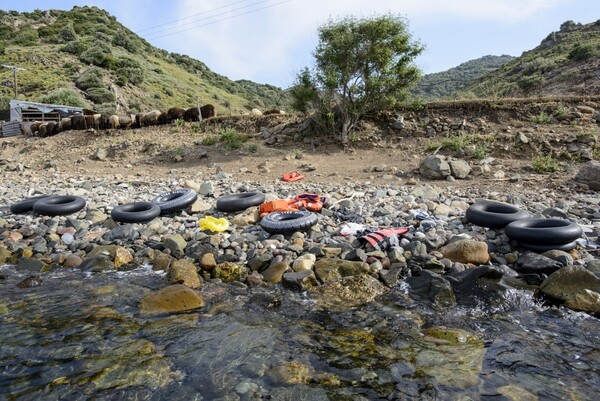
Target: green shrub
<point>123,40</point>
<point>252,148</point>
<point>100,95</point>
<point>478,153</point>
<point>210,140</point>
<point>560,111</point>
<point>106,108</point>
<point>67,33</point>
<point>27,36</point>
<point>582,52</point>
<point>49,34</point>
<point>99,55</point>
<point>433,145</point>
<point>542,118</point>
<point>232,139</point>
<point>5,102</point>
<point>529,83</point>
<point>90,78</point>
<point>539,64</point>
<point>129,70</point>
<point>65,97</point>
<point>544,164</point>
<point>75,47</point>
<point>2,49</point>
<point>456,143</point>
<point>6,32</point>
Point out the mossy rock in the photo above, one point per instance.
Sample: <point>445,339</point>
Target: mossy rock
<point>174,298</point>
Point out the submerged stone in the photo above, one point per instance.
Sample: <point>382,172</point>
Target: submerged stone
<point>32,265</point>
<point>453,356</point>
<point>227,271</point>
<point>347,292</point>
<point>174,298</point>
<point>184,272</point>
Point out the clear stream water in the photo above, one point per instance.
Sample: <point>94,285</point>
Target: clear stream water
<point>79,336</point>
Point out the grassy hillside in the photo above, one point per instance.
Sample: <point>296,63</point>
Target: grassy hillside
<point>447,83</point>
<point>85,57</point>
<point>565,63</point>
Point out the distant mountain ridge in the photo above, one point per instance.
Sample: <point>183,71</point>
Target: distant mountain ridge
<point>565,63</point>
<point>448,83</point>
<point>85,57</point>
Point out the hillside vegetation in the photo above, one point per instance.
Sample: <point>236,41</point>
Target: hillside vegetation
<point>447,83</point>
<point>565,63</point>
<point>85,57</point>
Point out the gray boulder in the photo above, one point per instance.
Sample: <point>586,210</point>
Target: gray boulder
<point>460,168</point>
<point>432,286</point>
<point>434,167</point>
<point>568,281</point>
<point>589,174</point>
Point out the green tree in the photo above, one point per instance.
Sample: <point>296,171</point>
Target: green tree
<point>66,97</point>
<point>362,65</point>
<point>67,33</point>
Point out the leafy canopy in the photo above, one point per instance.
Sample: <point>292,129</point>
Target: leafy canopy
<point>362,65</point>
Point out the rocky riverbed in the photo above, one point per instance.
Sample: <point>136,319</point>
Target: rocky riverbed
<point>441,269</point>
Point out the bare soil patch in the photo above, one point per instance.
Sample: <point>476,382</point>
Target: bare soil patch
<point>377,154</point>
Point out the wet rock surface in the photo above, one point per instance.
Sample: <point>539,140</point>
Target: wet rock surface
<point>233,314</point>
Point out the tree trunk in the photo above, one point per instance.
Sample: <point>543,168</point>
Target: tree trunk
<point>347,125</point>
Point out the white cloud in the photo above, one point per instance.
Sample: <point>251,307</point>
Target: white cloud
<point>279,40</point>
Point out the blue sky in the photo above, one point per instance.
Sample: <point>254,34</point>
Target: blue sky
<point>269,41</point>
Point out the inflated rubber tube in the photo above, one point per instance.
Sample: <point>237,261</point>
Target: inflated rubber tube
<point>492,214</point>
<point>237,202</point>
<point>26,205</point>
<point>543,248</point>
<point>541,231</point>
<point>288,222</point>
<point>59,205</point>
<point>173,201</point>
<point>136,212</point>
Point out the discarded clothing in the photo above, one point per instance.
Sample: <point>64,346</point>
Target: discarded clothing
<point>345,214</point>
<point>382,239</point>
<point>352,229</point>
<point>311,202</point>
<point>291,177</point>
<point>213,224</point>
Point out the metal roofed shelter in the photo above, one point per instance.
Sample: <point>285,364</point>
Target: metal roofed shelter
<point>24,111</point>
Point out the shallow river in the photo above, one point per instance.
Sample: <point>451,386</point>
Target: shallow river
<point>79,336</point>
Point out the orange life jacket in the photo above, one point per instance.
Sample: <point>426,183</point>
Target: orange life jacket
<point>312,202</point>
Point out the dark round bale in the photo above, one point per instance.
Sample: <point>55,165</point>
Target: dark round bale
<point>208,111</point>
<point>104,122</point>
<point>43,130</point>
<point>191,114</point>
<point>162,118</point>
<point>92,121</point>
<point>78,122</point>
<point>125,122</point>
<point>138,120</point>
<point>51,128</point>
<point>150,118</point>
<point>175,113</point>
<point>64,124</point>
<point>35,127</point>
<point>271,111</point>
<point>113,122</point>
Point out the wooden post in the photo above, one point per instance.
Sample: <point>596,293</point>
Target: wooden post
<point>15,69</point>
<point>199,111</point>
